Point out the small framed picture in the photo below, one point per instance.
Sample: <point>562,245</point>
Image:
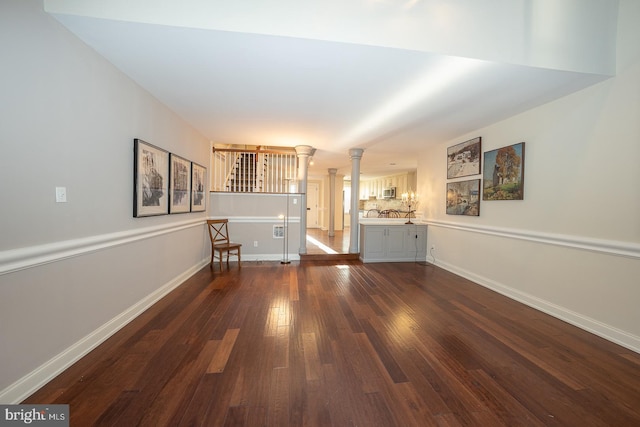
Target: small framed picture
<point>464,159</point>
<point>504,173</point>
<point>463,198</point>
<point>198,194</point>
<point>150,179</point>
<point>180,185</point>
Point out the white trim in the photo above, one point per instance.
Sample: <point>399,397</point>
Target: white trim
<point>252,194</point>
<point>33,256</point>
<point>610,247</point>
<point>596,327</point>
<point>256,219</point>
<point>269,257</point>
<point>31,382</point>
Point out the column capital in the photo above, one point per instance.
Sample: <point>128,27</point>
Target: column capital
<point>304,150</point>
<point>356,153</point>
<point>332,171</point>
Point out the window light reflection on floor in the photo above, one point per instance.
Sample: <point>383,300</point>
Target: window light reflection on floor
<point>324,248</point>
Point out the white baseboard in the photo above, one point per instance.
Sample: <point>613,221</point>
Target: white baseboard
<point>268,257</point>
<point>596,327</point>
<point>31,382</point>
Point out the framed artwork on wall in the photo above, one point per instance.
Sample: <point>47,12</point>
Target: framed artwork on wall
<point>150,179</point>
<point>464,159</point>
<point>463,197</point>
<point>504,173</point>
<point>198,195</point>
<point>180,185</point>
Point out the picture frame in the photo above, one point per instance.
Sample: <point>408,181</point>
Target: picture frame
<point>180,185</point>
<point>464,159</point>
<point>463,198</point>
<point>504,173</point>
<point>198,187</point>
<point>150,180</point>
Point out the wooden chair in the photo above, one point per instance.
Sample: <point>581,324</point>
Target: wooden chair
<point>219,234</point>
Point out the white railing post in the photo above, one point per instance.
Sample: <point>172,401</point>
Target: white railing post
<point>252,171</point>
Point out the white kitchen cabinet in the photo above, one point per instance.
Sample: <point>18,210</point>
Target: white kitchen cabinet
<point>393,242</point>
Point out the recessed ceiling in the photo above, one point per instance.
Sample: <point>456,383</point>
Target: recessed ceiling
<point>243,87</point>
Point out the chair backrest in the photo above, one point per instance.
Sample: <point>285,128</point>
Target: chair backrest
<point>218,230</point>
<point>372,213</point>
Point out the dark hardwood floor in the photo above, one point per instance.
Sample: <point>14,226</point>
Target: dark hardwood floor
<point>318,344</point>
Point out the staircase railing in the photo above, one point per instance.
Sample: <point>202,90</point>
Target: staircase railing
<point>252,171</point>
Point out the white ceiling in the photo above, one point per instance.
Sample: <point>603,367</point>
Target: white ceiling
<point>268,79</point>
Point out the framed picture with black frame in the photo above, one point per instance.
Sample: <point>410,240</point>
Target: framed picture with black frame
<point>180,185</point>
<point>198,187</point>
<point>150,179</point>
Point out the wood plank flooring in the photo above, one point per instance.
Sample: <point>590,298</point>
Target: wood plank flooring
<point>338,243</point>
<point>317,344</point>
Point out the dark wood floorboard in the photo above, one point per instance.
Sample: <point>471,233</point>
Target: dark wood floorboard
<point>349,344</point>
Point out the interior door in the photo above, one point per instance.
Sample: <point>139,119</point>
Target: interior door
<point>313,191</point>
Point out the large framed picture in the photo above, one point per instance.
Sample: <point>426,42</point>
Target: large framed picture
<point>198,179</point>
<point>150,179</point>
<point>504,173</point>
<point>180,187</point>
<point>464,159</point>
<point>463,197</point>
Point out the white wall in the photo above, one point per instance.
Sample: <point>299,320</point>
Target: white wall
<point>251,219</point>
<point>73,273</point>
<point>572,246</point>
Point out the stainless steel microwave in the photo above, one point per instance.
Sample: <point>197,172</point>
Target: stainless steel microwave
<point>389,193</point>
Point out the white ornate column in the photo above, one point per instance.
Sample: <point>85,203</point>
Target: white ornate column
<point>304,153</point>
<point>356,155</point>
<point>332,201</point>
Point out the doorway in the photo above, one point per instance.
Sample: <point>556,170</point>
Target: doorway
<point>313,195</point>
<point>318,240</point>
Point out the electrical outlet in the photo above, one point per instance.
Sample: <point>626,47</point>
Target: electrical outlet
<point>255,243</point>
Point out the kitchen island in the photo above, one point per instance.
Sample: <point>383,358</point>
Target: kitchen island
<point>392,240</point>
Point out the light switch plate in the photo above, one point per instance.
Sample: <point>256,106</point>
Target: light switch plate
<point>61,194</point>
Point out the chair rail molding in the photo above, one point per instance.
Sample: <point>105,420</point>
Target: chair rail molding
<point>610,247</point>
<point>32,256</point>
